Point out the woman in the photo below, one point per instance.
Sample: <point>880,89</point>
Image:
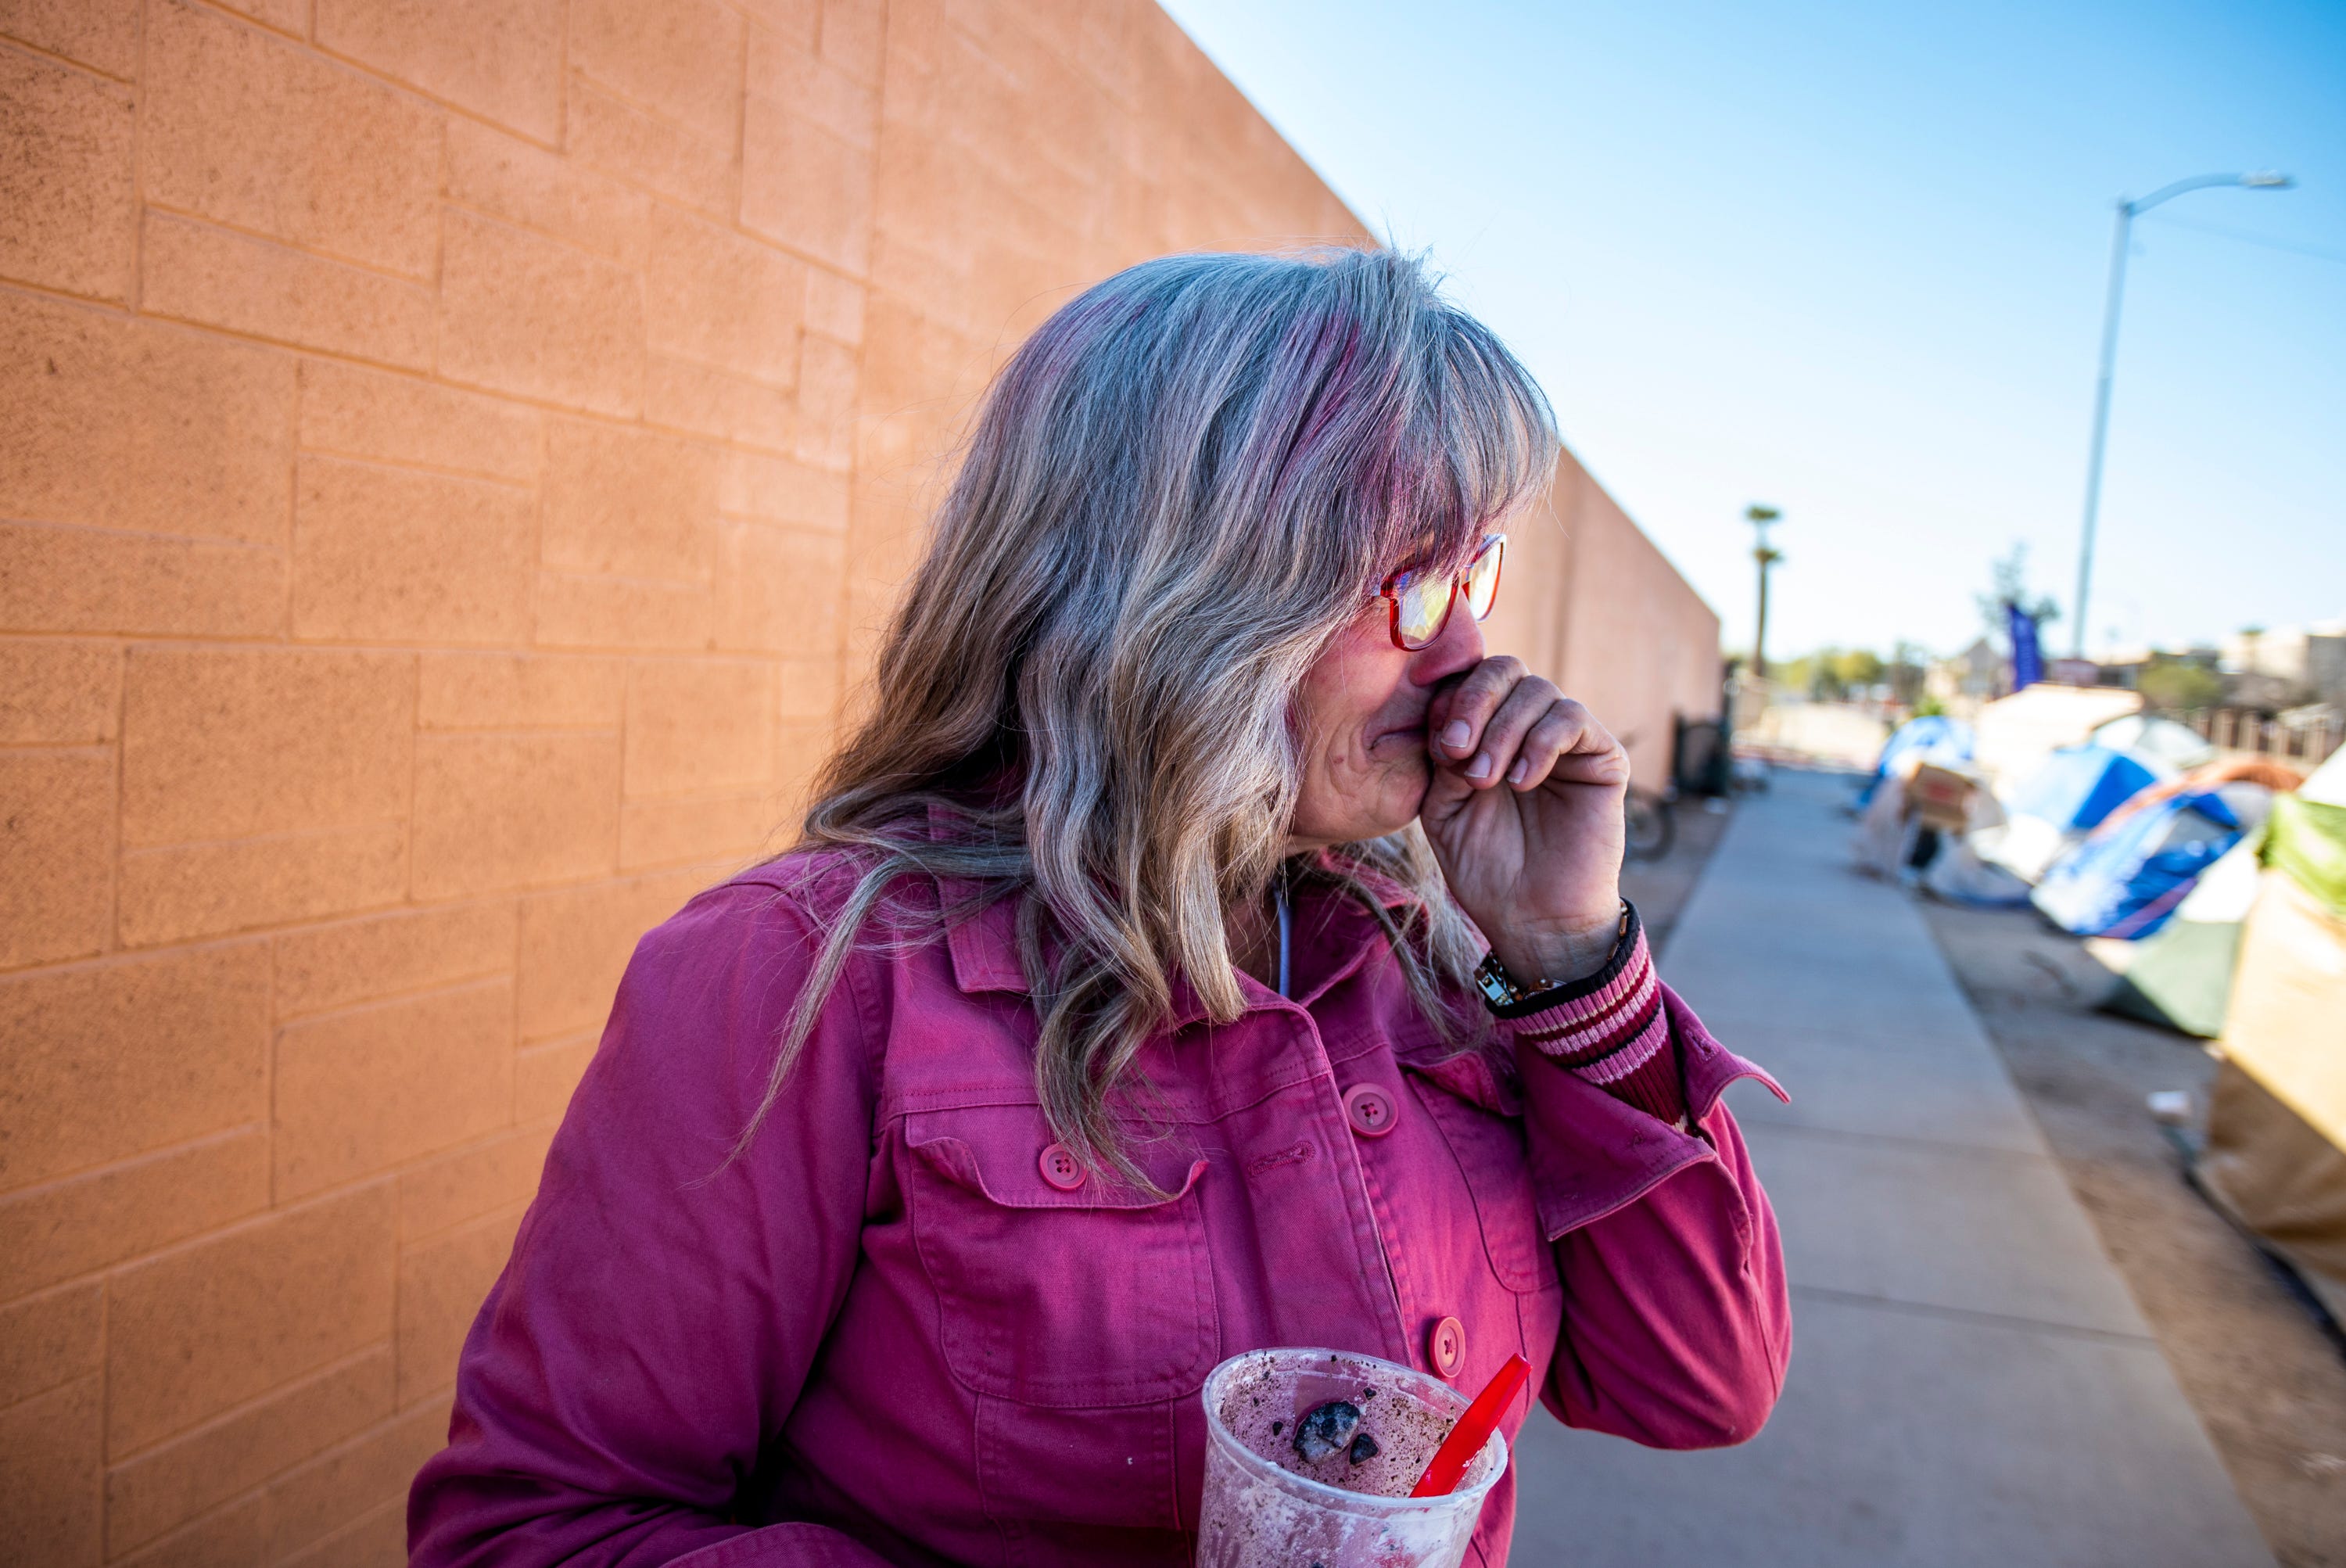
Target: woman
<point>1119,1009</point>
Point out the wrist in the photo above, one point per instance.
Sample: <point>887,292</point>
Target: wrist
<point>1541,955</point>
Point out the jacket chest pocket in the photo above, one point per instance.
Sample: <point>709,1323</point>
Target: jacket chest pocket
<point>1098,1295</point>
<point>1481,1121</point>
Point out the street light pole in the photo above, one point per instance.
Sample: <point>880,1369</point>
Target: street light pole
<point>1767,556</point>
<point>2119,241</point>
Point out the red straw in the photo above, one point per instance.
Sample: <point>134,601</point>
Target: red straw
<point>1473,1429</point>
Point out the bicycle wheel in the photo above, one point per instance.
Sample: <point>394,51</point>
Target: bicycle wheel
<point>1650,827</point>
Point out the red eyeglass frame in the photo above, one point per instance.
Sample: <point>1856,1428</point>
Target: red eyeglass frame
<point>1390,591</point>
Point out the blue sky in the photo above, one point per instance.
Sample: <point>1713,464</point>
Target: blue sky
<point>1848,259</point>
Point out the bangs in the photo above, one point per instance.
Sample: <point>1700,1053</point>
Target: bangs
<point>1476,443</point>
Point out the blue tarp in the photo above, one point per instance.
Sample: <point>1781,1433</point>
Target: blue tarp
<point>2125,880</point>
<point>2078,786</point>
<point>1938,738</point>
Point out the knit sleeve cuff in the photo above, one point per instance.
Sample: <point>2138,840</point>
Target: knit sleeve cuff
<point>1610,1030</point>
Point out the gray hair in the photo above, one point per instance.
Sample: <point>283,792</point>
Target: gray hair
<point>1189,480</point>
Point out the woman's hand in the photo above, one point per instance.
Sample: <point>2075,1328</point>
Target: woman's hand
<point>1524,815</point>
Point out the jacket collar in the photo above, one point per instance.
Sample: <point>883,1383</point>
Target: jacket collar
<point>984,949</point>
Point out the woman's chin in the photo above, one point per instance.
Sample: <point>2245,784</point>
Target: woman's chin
<point>1372,808</point>
<point>1400,801</point>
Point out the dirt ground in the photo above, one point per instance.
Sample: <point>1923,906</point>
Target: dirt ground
<point>2268,1382</point>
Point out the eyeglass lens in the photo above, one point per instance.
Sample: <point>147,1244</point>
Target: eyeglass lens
<point>1425,597</point>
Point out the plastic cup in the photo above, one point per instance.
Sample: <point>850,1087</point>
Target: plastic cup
<point>1266,1506</point>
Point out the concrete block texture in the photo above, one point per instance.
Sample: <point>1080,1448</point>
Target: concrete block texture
<point>102,34</point>
<point>455,459</point>
<point>65,178</point>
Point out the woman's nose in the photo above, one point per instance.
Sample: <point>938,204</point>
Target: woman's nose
<point>1458,649</point>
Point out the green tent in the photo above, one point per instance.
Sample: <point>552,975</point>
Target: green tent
<point>2276,1150</point>
<point>2307,839</point>
<point>2182,975</point>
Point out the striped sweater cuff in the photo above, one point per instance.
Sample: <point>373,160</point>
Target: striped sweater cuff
<point>1614,1034</point>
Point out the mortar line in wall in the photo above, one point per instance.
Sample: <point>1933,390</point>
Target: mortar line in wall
<point>454,110</point>
<point>414,740</point>
<point>618,731</point>
<point>136,294</point>
<point>255,642</point>
<point>519,399</point>
<point>741,110</point>
<point>511,1211</point>
<point>300,248</point>
<point>105,1402</point>
<point>619,95</point>
<point>513,1028</point>
<point>447,203</point>
<point>398,1250</point>
<point>756,236</point>
<point>428,990</point>
<point>843,594</point>
<point>121,780</point>
<point>120,308</point>
<point>441,172</point>
<point>126,956</point>
<point>268,1080</point>
<point>286,344</point>
<point>620,421</point>
<point>51,748</point>
<point>311,46</point>
<point>247,20</point>
<point>264,929</point>
<point>245,1407</point>
<point>619,776</point>
<point>97,1273</point>
<point>79,67</point>
<point>249,643</point>
<point>561,86</point>
<point>123,532</point>
<point>434,470</point>
<point>277,1210</point>
<point>150,1549</point>
<point>292,496</point>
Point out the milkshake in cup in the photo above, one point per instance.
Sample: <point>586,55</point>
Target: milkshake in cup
<point>1311,1456</point>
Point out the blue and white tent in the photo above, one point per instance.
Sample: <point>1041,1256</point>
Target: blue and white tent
<point>2126,879</point>
<point>2078,786</point>
<point>2056,805</point>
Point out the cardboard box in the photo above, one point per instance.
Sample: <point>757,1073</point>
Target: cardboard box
<point>1941,796</point>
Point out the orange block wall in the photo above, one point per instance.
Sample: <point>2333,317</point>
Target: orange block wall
<point>454,457</point>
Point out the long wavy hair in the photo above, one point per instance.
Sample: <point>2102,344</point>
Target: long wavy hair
<point>1189,480</point>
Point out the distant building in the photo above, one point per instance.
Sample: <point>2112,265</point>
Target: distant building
<point>2125,666</point>
<point>1979,674</point>
<point>2288,665</point>
<point>2073,672</point>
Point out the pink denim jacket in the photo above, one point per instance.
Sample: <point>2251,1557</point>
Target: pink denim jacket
<point>903,1329</point>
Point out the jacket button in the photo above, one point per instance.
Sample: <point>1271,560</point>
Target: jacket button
<point>1370,1110</point>
<point>1062,1169</point>
<point>1446,1346</point>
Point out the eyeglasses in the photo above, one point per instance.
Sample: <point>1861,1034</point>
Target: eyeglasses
<point>1422,601</point>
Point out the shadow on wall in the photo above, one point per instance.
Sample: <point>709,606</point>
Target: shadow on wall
<point>455,460</point>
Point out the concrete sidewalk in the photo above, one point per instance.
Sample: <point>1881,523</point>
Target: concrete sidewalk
<point>1970,1382</point>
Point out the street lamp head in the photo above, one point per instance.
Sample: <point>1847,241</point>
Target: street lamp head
<point>2267,179</point>
<point>1757,513</point>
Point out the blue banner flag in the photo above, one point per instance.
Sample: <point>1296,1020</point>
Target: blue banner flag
<point>2027,662</point>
